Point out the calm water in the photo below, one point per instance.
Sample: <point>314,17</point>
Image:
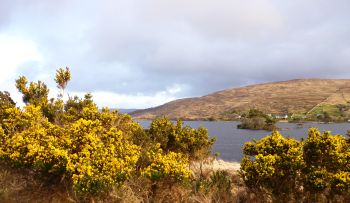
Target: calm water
<point>230,140</point>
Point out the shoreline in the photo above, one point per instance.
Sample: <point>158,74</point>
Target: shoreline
<point>218,164</point>
<point>280,121</point>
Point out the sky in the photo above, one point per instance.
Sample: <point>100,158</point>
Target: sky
<point>143,53</point>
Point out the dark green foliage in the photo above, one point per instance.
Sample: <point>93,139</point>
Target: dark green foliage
<point>324,117</point>
<point>5,103</point>
<point>178,138</point>
<point>255,113</point>
<point>36,93</point>
<point>6,100</point>
<point>257,120</point>
<point>62,78</point>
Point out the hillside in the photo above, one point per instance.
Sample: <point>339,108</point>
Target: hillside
<point>296,96</point>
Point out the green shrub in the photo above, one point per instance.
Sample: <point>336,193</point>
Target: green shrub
<point>174,137</point>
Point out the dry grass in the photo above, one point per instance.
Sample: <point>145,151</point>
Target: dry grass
<point>210,185</point>
<point>23,186</point>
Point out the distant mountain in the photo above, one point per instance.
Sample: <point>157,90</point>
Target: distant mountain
<point>123,111</point>
<point>127,110</point>
<point>297,96</point>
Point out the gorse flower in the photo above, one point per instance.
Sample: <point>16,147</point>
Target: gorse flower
<point>284,166</point>
<point>94,150</point>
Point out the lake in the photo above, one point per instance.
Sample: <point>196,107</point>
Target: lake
<point>230,140</point>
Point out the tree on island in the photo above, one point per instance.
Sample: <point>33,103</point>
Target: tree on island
<point>257,120</point>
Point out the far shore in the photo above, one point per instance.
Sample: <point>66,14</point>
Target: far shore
<point>280,121</point>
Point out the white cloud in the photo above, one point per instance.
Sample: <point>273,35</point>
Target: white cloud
<point>14,52</point>
<point>130,101</point>
<point>133,101</point>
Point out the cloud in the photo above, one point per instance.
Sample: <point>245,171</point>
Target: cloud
<point>14,53</point>
<point>132,50</point>
<point>130,101</point>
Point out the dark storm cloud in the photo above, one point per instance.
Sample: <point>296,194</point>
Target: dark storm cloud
<point>132,47</point>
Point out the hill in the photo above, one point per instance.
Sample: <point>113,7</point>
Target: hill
<point>293,96</point>
<point>126,110</point>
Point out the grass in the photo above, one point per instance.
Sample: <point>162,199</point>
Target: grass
<point>208,186</point>
<point>333,110</point>
<point>19,185</point>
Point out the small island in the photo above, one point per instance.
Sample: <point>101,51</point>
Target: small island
<point>257,120</point>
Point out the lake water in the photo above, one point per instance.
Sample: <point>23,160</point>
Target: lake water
<point>230,140</point>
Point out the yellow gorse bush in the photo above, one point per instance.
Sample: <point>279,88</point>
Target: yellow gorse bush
<point>171,165</point>
<point>91,149</point>
<point>183,139</point>
<point>287,168</point>
<point>99,155</point>
<point>30,140</point>
<point>93,156</point>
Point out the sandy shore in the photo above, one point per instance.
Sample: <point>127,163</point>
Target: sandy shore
<point>219,165</point>
<point>225,165</point>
